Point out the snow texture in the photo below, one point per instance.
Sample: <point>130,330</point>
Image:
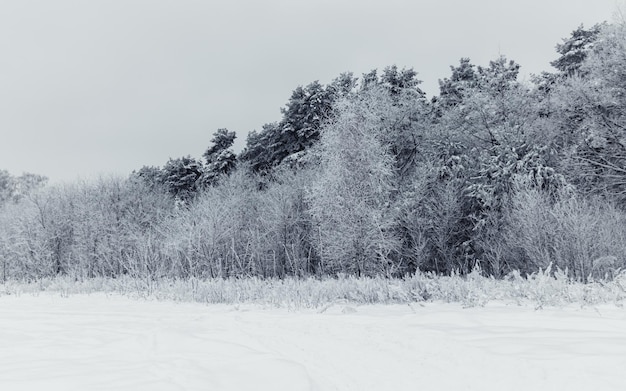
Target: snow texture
<point>99,342</point>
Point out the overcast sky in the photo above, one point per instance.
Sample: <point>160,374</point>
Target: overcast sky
<point>91,87</point>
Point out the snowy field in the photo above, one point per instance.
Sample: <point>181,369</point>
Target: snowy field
<point>99,342</point>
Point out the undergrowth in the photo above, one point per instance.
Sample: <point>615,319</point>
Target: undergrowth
<point>545,288</point>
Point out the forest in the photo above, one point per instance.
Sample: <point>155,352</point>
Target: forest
<point>368,177</point>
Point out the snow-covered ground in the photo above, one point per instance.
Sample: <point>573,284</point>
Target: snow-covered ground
<point>98,342</point>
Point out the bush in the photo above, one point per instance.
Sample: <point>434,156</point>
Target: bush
<point>547,288</point>
<point>586,237</point>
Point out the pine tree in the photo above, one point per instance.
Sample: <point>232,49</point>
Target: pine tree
<point>220,158</point>
<point>303,115</point>
<point>451,90</point>
<point>598,160</point>
<point>575,49</point>
<point>180,177</point>
<point>259,145</point>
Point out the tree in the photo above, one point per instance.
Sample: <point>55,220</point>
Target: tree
<point>395,82</point>
<point>303,115</point>
<point>286,223</point>
<point>351,197</point>
<point>258,152</point>
<point>597,160</point>
<point>430,221</point>
<point>6,186</point>
<point>342,86</point>
<point>452,90</point>
<point>220,158</point>
<point>27,183</point>
<point>488,130</point>
<point>180,177</point>
<point>575,49</point>
<point>399,81</point>
<point>150,176</point>
<point>15,188</point>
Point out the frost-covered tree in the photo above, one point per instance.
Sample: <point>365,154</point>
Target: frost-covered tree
<point>27,183</point>
<point>150,176</point>
<point>397,81</point>
<point>342,86</point>
<point>259,146</point>
<point>298,130</point>
<point>575,49</point>
<point>594,108</point>
<point>351,197</point>
<point>452,90</point>
<point>302,117</point>
<point>180,177</point>
<point>393,80</point>
<point>6,186</point>
<point>220,158</point>
<point>286,223</point>
<point>403,110</point>
<point>488,129</point>
<point>85,230</point>
<point>15,188</point>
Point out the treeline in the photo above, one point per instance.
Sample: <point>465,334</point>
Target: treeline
<point>368,177</point>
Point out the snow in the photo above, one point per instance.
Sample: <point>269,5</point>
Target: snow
<point>100,342</point>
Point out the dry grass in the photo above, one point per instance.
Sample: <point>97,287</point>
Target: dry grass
<point>545,288</point>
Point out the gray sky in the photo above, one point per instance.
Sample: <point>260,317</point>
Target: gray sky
<point>106,86</point>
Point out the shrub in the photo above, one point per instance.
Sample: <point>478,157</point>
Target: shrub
<point>583,236</point>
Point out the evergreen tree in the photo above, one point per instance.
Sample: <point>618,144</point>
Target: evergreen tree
<point>180,177</point>
<point>488,131</point>
<point>396,82</point>
<point>342,86</point>
<point>258,152</point>
<point>220,158</point>
<point>452,90</point>
<point>306,110</point>
<point>399,81</point>
<point>575,49</point>
<point>150,176</point>
<point>598,158</point>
